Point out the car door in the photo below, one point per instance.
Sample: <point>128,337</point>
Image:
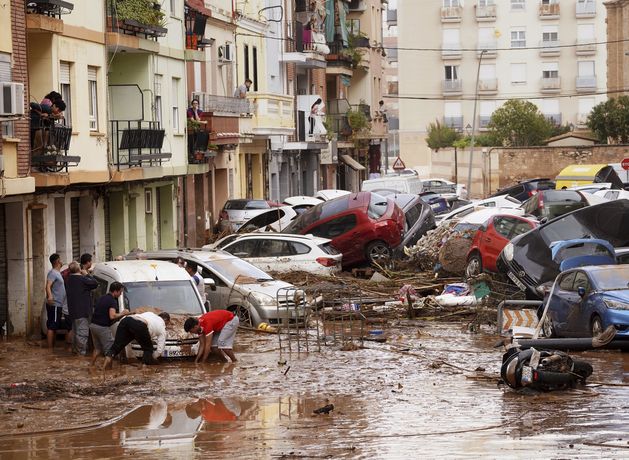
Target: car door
<point>272,255</point>
<point>559,304</point>
<point>494,239</point>
<point>583,309</point>
<point>345,236</point>
<point>221,297</point>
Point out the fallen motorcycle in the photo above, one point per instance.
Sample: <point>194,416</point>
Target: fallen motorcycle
<point>542,370</point>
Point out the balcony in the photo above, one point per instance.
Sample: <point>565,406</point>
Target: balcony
<point>356,5</point>
<point>451,51</point>
<point>451,14</point>
<point>304,131</point>
<point>219,105</point>
<point>126,32</point>
<point>392,17</point>
<point>483,121</point>
<point>44,16</point>
<point>585,10</point>
<point>50,143</point>
<point>549,10</point>
<point>585,46</point>
<point>338,61</point>
<point>136,144</point>
<point>452,87</point>
<point>488,86</point>
<point>307,49</point>
<point>485,13</point>
<point>586,84</point>
<point>454,122</point>
<point>554,118</point>
<point>272,114</point>
<point>490,48</point>
<point>550,84</point>
<point>393,88</point>
<point>195,20</point>
<point>549,48</point>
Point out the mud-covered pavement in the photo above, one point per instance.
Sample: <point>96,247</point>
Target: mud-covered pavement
<point>406,398</point>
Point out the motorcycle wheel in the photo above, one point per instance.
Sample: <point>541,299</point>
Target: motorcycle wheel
<point>582,369</point>
<point>554,378</point>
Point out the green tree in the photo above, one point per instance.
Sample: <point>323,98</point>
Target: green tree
<point>518,124</point>
<point>609,121</point>
<point>440,136</point>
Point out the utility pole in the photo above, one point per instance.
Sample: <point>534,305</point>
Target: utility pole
<point>469,171</point>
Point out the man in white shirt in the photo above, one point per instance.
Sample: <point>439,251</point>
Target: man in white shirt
<point>144,328</point>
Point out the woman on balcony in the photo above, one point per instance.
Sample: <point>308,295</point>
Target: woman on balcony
<point>194,112</point>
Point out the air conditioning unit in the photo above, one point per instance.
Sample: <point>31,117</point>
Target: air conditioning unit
<point>225,53</point>
<point>11,99</point>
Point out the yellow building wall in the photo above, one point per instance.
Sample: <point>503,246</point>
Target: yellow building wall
<point>6,38</point>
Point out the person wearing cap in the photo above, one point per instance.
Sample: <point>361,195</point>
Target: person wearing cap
<point>217,331</point>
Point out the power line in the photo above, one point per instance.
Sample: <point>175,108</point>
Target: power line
<point>481,98</point>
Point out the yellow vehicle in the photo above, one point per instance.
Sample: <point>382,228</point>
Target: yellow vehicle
<point>575,175</point>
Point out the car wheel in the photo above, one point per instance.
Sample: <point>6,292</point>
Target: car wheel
<point>474,265</point>
<point>548,328</point>
<point>244,315</point>
<point>596,326</point>
<point>378,252</point>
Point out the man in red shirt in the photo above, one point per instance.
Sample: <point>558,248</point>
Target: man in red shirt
<point>217,330</point>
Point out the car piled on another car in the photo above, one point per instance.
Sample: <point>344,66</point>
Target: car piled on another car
<point>237,212</point>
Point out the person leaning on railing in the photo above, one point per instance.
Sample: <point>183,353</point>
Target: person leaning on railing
<point>43,115</point>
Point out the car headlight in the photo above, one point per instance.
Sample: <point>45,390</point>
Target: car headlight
<point>262,300</point>
<point>507,252</point>
<point>616,305</point>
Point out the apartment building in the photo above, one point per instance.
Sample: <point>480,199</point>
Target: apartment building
<point>391,82</point>
<point>549,52</point>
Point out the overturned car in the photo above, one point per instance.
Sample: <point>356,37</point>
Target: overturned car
<point>527,260</point>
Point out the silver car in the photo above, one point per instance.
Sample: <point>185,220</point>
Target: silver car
<point>237,212</point>
<point>234,284</point>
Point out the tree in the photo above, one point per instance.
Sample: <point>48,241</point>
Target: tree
<point>609,121</point>
<point>518,124</point>
<point>440,136</point>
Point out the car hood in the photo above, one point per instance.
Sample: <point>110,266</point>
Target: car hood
<point>617,296</point>
<point>266,287</point>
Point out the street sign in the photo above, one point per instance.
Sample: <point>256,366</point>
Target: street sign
<point>624,163</point>
<point>398,164</point>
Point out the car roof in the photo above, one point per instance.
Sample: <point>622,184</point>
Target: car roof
<point>405,199</point>
<point>482,215</point>
<point>141,270</point>
<point>199,254</point>
<point>284,236</point>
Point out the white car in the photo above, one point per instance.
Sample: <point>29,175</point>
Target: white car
<point>302,203</point>
<point>591,188</point>
<point>234,284</point>
<point>330,194</point>
<point>502,201</point>
<point>275,220</point>
<point>282,252</point>
<point>478,216</point>
<point>613,194</point>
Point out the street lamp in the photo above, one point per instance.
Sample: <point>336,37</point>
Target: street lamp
<point>469,170</point>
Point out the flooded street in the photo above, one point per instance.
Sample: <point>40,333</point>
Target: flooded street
<point>407,398</point>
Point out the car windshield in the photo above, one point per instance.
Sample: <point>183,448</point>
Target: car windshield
<point>377,206</point>
<point>235,268</point>
<point>228,239</point>
<point>239,205</point>
<point>320,211</point>
<point>557,196</point>
<point>612,279</point>
<point>175,297</point>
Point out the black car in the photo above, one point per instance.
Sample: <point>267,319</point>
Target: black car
<point>527,259</point>
<point>418,218</point>
<point>526,189</point>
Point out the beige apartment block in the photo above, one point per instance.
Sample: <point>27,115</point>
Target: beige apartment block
<point>617,48</point>
<point>549,52</point>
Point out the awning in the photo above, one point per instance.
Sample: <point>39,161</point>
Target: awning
<point>349,161</point>
<point>198,5</point>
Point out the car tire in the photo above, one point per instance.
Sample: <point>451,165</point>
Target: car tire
<point>549,328</point>
<point>474,265</point>
<point>596,326</point>
<point>244,315</point>
<point>378,252</point>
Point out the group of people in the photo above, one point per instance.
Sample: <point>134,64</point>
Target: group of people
<point>43,115</point>
<point>69,307</point>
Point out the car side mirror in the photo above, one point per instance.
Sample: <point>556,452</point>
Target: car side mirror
<point>581,291</point>
<point>543,220</point>
<point>210,282</point>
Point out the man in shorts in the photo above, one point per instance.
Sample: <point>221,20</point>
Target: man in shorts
<point>105,314</point>
<point>217,331</point>
<point>56,303</point>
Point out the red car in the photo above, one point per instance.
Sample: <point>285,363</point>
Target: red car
<point>364,226</point>
<point>491,238</point>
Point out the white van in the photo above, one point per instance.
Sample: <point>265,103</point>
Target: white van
<point>158,284</point>
<point>404,183</point>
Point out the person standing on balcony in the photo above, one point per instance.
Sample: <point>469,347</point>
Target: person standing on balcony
<point>241,91</point>
<point>315,118</point>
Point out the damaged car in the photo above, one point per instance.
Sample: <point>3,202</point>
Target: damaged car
<point>527,260</point>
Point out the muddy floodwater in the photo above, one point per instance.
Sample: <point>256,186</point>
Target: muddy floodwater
<point>431,391</point>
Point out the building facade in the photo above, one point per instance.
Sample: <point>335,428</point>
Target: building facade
<point>544,51</point>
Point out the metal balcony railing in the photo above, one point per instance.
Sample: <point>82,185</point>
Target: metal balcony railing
<point>485,12</point>
<point>454,122</point>
<point>452,86</point>
<point>451,50</point>
<point>50,142</point>
<point>554,118</point>
<point>586,82</point>
<point>549,47</point>
<point>483,121</point>
<point>551,83</point>
<point>451,13</point>
<point>137,143</point>
<point>585,9</point>
<point>223,104</point>
<point>52,8</point>
<point>116,23</point>
<point>391,17</point>
<point>548,10</point>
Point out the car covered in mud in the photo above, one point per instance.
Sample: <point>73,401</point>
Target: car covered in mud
<point>364,226</point>
<point>527,260</point>
<point>587,300</point>
<point>154,285</point>
<point>234,284</point>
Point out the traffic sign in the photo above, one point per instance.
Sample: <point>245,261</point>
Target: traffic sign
<point>398,164</point>
<point>624,163</point>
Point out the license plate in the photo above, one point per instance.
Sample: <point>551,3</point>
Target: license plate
<point>174,353</point>
<point>517,282</point>
<point>527,375</point>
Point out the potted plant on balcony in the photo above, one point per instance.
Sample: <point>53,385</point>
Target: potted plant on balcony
<point>144,16</point>
<point>360,125</point>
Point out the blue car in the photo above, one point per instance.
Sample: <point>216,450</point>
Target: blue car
<point>586,300</point>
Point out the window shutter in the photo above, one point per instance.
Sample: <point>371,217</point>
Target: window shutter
<point>64,72</point>
<point>91,73</point>
<point>5,67</point>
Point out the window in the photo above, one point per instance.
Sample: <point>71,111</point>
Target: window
<point>246,54</point>
<point>487,72</point>
<point>353,26</point>
<point>585,33</point>
<point>451,38</point>
<point>93,97</point>
<point>335,227</point>
<point>451,3</point>
<point>581,280</point>
<point>550,70</point>
<point>452,72</point>
<point>518,38</point>
<point>486,2</point>
<point>486,37</point>
<point>64,83</point>
<point>586,68</point>
<point>518,73</point>
<point>520,228</point>
<point>158,99</point>
<point>586,104</point>
<point>274,248</point>
<point>255,68</point>
<point>7,128</point>
<point>567,282</point>
<point>453,115</point>
<point>503,225</point>
<point>486,109</point>
<point>174,99</point>
<point>174,8</point>
<point>299,248</point>
<point>549,107</point>
<point>518,5</point>
<point>550,34</point>
<point>246,248</point>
